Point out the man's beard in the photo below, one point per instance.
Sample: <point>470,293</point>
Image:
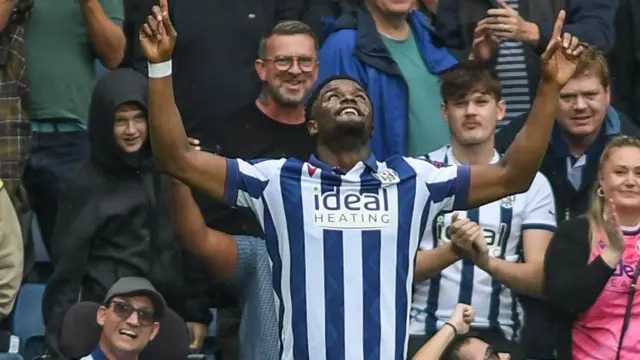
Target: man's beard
<point>283,101</point>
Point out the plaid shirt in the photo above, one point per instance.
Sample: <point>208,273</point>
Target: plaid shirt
<point>15,129</point>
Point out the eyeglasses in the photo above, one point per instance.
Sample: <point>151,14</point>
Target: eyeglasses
<point>124,311</point>
<point>284,63</point>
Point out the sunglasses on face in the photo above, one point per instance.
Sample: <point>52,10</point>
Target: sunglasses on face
<point>124,310</point>
<point>284,63</point>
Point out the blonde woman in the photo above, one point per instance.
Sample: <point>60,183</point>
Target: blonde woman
<point>591,265</point>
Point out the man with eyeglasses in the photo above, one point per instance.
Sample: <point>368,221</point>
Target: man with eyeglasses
<point>129,318</point>
<point>271,126</point>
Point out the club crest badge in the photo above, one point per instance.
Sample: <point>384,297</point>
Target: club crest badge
<point>387,176</point>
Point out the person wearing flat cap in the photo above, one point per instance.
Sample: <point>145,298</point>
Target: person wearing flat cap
<point>129,318</point>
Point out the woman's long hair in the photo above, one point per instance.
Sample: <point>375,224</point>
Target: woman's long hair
<point>596,209</point>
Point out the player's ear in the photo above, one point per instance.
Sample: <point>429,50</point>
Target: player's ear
<point>312,126</point>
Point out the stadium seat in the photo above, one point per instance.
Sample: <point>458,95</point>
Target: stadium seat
<point>11,357</point>
<point>28,324</point>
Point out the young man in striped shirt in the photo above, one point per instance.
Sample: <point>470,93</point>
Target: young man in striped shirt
<point>513,228</point>
<point>336,224</point>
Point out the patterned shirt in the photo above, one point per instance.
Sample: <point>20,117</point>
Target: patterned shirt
<point>15,129</point>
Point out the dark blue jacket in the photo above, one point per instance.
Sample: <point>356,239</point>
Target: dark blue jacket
<point>354,48</point>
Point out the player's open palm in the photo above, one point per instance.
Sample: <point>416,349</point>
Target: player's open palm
<point>560,59</point>
<point>157,35</point>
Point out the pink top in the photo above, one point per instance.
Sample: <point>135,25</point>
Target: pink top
<point>596,332</point>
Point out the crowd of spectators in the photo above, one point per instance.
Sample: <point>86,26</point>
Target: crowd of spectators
<point>136,257</point>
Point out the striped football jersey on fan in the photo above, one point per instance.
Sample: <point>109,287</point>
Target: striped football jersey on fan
<point>503,223</point>
<point>342,247</point>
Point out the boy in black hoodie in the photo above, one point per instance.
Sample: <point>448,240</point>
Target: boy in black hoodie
<point>114,218</point>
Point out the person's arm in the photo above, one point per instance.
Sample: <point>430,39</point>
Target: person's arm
<point>6,10</point>
<point>431,262</point>
<point>591,21</point>
<point>217,250</point>
<point>11,254</point>
<point>572,283</point>
<point>73,234</point>
<point>537,229</point>
<point>458,324</point>
<point>104,20</point>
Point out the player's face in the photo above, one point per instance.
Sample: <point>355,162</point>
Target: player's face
<point>477,349</point>
<point>472,120</point>
<point>583,105</point>
<point>290,68</point>
<point>343,107</point>
<point>620,178</point>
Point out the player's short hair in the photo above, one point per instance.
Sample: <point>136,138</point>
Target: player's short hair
<point>467,77</point>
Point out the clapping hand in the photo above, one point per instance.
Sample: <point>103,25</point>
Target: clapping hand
<point>157,35</point>
<point>461,233</point>
<point>560,59</point>
<point>612,226</point>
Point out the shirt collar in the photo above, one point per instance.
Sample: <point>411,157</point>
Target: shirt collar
<point>560,149</point>
<point>97,354</point>
<point>449,159</point>
<point>369,162</point>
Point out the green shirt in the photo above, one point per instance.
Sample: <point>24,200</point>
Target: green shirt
<point>427,129</point>
<point>60,58</point>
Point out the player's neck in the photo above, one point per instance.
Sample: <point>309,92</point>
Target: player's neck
<point>343,160</point>
<point>279,113</point>
<point>480,154</point>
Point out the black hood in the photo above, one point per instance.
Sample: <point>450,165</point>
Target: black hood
<point>114,89</point>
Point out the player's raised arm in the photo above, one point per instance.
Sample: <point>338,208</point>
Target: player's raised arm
<point>171,150</point>
<point>518,167</point>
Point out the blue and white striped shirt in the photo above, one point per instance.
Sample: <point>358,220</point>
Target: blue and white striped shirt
<point>503,223</point>
<point>342,247</point>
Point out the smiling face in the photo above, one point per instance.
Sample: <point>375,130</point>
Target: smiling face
<point>289,68</point>
<point>583,106</point>
<point>342,109</point>
<point>620,178</point>
<point>127,324</point>
<point>130,128</point>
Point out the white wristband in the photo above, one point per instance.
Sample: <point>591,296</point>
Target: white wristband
<point>160,70</point>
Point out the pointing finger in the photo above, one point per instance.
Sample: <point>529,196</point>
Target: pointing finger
<point>557,27</point>
<point>503,4</point>
<point>164,6</point>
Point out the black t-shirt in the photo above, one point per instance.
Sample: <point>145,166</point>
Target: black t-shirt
<point>250,134</point>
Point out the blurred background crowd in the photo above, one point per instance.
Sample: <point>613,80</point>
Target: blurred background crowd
<point>88,217</point>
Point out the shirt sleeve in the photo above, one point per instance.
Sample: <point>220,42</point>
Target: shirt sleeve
<point>448,185</point>
<point>541,207</point>
<point>114,10</point>
<point>246,181</point>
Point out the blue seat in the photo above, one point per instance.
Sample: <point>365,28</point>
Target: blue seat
<point>28,324</point>
<point>11,357</point>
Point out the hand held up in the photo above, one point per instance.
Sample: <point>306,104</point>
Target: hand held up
<point>157,35</point>
<point>612,227</point>
<point>560,59</point>
<point>462,318</point>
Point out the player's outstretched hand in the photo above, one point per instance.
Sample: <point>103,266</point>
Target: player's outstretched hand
<point>560,59</point>
<point>157,35</point>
